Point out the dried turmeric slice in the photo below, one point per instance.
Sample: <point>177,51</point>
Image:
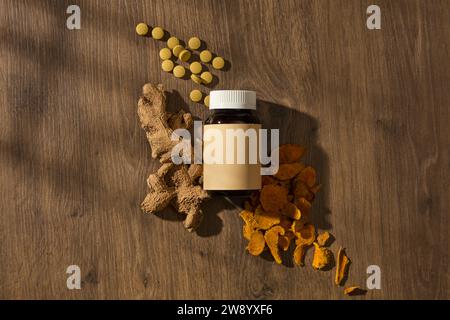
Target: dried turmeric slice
<point>285,241</point>
<point>290,210</point>
<point>305,234</point>
<point>299,254</point>
<point>324,239</point>
<point>304,206</point>
<point>273,198</point>
<point>343,263</point>
<point>268,180</point>
<point>289,153</point>
<point>286,223</point>
<point>354,291</point>
<point>300,190</point>
<point>265,220</point>
<point>256,244</point>
<point>249,223</point>
<point>316,188</point>
<point>247,216</point>
<point>308,176</point>
<point>272,239</point>
<point>323,258</point>
<point>247,230</point>
<point>288,171</point>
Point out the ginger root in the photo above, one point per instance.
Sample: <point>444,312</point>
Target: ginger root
<point>172,184</point>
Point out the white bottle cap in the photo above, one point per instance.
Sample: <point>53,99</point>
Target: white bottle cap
<point>232,99</point>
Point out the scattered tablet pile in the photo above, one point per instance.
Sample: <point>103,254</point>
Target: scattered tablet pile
<point>182,60</point>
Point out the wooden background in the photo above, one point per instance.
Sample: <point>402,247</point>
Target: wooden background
<point>372,107</point>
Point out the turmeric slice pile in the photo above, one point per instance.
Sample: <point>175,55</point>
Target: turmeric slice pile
<point>281,210</point>
<point>280,214</point>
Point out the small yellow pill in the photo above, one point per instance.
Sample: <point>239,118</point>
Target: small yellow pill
<point>195,67</point>
<point>165,53</point>
<point>194,43</point>
<point>205,56</point>
<point>142,29</point>
<point>206,77</point>
<point>167,65</point>
<point>206,101</point>
<point>172,42</point>
<point>179,71</point>
<point>218,63</point>
<point>177,50</point>
<point>157,33</point>
<point>185,55</point>
<point>195,95</point>
<point>196,79</point>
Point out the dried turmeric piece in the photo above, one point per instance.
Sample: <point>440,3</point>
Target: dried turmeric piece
<point>304,206</point>
<point>324,239</point>
<point>316,188</point>
<point>247,230</point>
<point>343,263</point>
<point>268,180</point>
<point>306,234</point>
<point>300,190</point>
<point>354,291</point>
<point>249,223</point>
<point>290,210</point>
<point>272,239</point>
<point>308,176</point>
<point>323,258</point>
<point>299,254</point>
<point>290,153</point>
<point>273,198</point>
<point>285,241</point>
<point>286,223</point>
<point>265,220</point>
<point>288,171</point>
<point>247,216</point>
<point>256,244</point>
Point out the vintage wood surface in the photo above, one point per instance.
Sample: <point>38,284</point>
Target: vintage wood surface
<point>372,106</point>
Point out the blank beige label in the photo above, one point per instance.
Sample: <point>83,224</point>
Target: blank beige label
<point>229,173</point>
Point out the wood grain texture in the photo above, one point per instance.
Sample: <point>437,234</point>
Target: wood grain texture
<point>372,107</point>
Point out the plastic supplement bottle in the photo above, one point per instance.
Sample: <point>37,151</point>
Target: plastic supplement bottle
<point>231,144</point>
